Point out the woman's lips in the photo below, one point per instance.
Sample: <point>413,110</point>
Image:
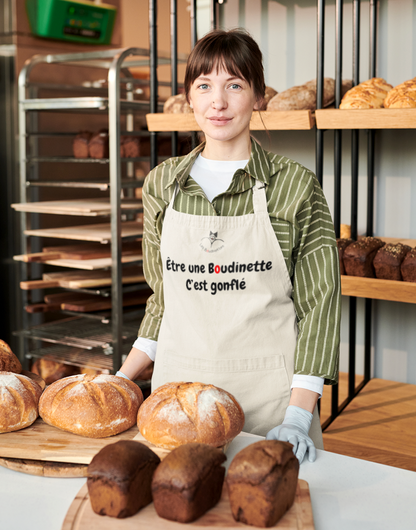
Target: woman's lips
<point>218,120</point>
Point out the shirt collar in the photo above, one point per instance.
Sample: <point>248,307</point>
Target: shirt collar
<point>257,167</point>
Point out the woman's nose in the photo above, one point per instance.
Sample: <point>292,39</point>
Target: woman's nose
<point>218,100</point>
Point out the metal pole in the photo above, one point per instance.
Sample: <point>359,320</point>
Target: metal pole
<point>174,63</point>
<point>214,18</point>
<point>320,87</point>
<point>194,38</point>
<point>153,76</point>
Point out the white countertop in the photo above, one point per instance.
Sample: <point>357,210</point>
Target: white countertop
<point>346,494</point>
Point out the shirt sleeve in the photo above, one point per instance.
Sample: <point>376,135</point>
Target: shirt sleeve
<point>153,207</point>
<point>317,290</point>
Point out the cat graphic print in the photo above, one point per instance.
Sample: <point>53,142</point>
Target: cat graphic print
<point>211,243</point>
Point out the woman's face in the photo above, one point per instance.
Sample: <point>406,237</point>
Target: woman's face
<point>223,105</point>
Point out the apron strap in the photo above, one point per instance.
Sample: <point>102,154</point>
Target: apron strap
<point>259,198</point>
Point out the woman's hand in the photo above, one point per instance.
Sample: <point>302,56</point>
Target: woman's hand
<point>295,429</point>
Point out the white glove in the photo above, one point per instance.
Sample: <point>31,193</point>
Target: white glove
<point>120,374</point>
<point>295,430</point>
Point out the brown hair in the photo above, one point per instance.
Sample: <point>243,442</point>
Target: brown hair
<point>235,51</point>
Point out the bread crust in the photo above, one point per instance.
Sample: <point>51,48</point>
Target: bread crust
<point>359,257</point>
<point>402,96</point>
<point>177,105</point>
<point>8,360</point>
<point>262,481</point>
<point>367,95</point>
<point>19,397</point>
<point>95,406</point>
<point>388,260</point>
<point>408,267</point>
<point>50,371</point>
<point>179,413</point>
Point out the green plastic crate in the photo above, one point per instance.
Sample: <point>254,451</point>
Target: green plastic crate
<point>72,20</point>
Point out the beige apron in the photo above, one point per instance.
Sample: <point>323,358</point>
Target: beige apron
<point>229,318</point>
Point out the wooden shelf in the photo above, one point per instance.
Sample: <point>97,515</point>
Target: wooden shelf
<point>81,207</point>
<point>366,119</point>
<point>379,289</point>
<point>271,121</point>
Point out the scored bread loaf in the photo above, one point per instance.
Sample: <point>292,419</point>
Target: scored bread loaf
<point>262,481</point>
<point>19,397</point>
<point>188,482</point>
<point>402,96</point>
<point>8,360</point>
<point>179,413</point>
<point>367,95</point>
<point>91,405</point>
<point>177,105</point>
<point>50,371</point>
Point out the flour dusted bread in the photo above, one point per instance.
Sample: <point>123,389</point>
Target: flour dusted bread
<point>262,481</point>
<point>402,96</point>
<point>96,406</point>
<point>120,478</point>
<point>177,105</point>
<point>19,397</point>
<point>367,95</point>
<point>8,360</point>
<point>179,413</point>
<point>188,482</point>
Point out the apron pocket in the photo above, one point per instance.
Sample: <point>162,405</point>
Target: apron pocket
<point>261,385</point>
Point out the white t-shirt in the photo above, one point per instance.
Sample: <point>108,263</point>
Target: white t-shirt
<point>214,177</point>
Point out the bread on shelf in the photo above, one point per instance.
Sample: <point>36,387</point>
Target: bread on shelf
<point>92,406</point>
<point>120,478</point>
<point>98,146</point>
<point>402,96</point>
<point>388,260</point>
<point>19,397</point>
<point>359,256</point>
<point>177,104</point>
<point>80,144</point>
<point>269,93</point>
<point>408,267</point>
<point>188,482</point>
<point>51,371</point>
<point>342,244</point>
<point>367,95</point>
<point>8,360</point>
<point>262,481</point>
<point>179,413</point>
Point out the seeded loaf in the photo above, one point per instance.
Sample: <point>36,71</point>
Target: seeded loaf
<point>179,413</point>
<point>367,95</point>
<point>408,268</point>
<point>359,256</point>
<point>388,260</point>
<point>8,360</point>
<point>96,406</point>
<point>19,397</point>
<point>262,481</point>
<point>188,482</point>
<point>342,245</point>
<point>402,96</point>
<point>120,477</point>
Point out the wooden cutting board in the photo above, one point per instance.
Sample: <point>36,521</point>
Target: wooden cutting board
<point>100,233</point>
<point>45,469</point>
<point>80,516</point>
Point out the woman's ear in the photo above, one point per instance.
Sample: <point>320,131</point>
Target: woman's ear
<point>258,104</point>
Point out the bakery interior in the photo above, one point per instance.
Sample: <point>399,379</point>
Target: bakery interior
<point>73,166</point>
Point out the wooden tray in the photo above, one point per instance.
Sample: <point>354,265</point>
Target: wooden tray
<point>45,469</point>
<point>42,442</point>
<point>80,516</point>
<point>366,119</point>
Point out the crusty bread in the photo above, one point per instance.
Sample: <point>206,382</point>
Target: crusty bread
<point>402,96</point>
<point>80,144</point>
<point>177,105</point>
<point>50,371</point>
<point>179,413</point>
<point>120,478</point>
<point>367,95</point>
<point>268,95</point>
<point>89,405</point>
<point>188,482</point>
<point>19,397</point>
<point>262,481</point>
<point>8,360</point>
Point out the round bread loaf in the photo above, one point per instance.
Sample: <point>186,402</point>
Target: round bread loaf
<point>8,360</point>
<point>179,413</point>
<point>177,105</point>
<point>96,406</point>
<point>19,397</point>
<point>50,371</point>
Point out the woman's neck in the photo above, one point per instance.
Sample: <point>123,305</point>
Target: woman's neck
<point>219,150</point>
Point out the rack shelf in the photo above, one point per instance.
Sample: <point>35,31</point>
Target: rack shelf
<point>280,120</point>
<point>81,103</point>
<point>100,185</point>
<point>81,207</point>
<point>366,119</point>
<point>379,289</point>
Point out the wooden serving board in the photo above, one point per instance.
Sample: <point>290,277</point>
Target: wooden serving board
<point>80,516</point>
<point>100,233</point>
<point>45,469</point>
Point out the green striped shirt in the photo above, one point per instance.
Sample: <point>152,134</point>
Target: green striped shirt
<point>303,226</point>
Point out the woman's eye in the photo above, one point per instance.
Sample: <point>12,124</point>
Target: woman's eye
<point>235,86</point>
<point>204,86</point>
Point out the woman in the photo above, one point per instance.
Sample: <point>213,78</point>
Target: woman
<point>241,255</point>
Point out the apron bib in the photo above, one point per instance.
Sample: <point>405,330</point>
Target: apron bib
<point>229,318</point>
